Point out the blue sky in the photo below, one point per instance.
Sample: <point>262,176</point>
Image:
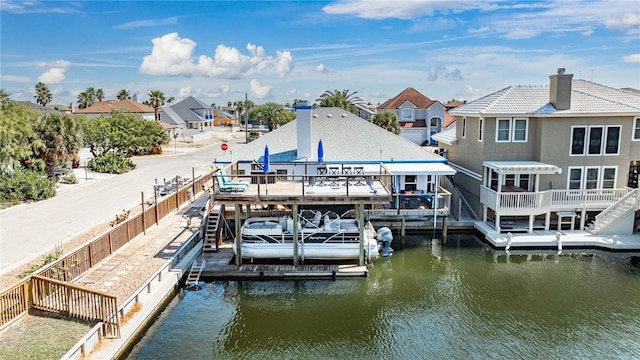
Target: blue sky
<point>284,50</point>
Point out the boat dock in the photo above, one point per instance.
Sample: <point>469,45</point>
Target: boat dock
<point>558,240</point>
<point>218,266</point>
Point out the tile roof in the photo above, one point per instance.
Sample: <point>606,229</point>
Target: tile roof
<point>414,124</point>
<point>409,94</point>
<point>448,120</point>
<point>105,107</point>
<point>586,98</point>
<point>345,137</point>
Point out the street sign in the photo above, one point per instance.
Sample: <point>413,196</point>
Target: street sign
<point>224,147</point>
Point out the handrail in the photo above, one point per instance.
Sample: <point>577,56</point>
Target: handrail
<point>601,219</point>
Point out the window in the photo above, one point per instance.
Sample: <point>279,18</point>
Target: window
<point>524,181</point>
<point>636,130</point>
<point>612,144</point>
<point>464,127</point>
<point>608,177</point>
<point>591,181</point>
<point>406,115</point>
<point>435,122</point>
<point>592,177</point>
<point>480,129</point>
<point>520,130</point>
<point>504,130</point>
<point>595,140</point>
<point>410,182</point>
<point>510,179</point>
<point>577,140</point>
<point>575,178</point>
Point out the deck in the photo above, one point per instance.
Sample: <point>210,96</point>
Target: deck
<point>218,267</point>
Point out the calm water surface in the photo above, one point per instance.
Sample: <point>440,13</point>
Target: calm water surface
<point>422,303</point>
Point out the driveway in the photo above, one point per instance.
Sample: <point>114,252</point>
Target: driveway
<point>28,231</point>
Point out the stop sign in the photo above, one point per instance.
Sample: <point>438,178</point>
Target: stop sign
<point>224,147</point>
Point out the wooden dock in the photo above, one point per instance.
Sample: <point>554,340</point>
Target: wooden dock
<point>219,267</point>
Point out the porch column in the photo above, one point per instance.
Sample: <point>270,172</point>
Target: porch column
<point>547,220</point>
<point>294,215</point>
<point>238,243</point>
<point>583,215</point>
<point>497,223</point>
<point>531,223</point>
<point>484,213</point>
<point>537,183</point>
<point>435,204</point>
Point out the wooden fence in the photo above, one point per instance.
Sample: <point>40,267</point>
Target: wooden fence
<point>15,301</point>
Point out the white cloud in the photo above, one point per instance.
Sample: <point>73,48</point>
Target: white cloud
<point>437,71</point>
<point>633,58</point>
<point>184,92</point>
<point>321,69</point>
<point>260,91</point>
<point>173,56</point>
<point>147,23</point>
<point>629,22</point>
<point>14,78</point>
<point>55,73</point>
<point>385,9</point>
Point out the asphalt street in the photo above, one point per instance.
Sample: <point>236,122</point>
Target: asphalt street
<point>28,231</point>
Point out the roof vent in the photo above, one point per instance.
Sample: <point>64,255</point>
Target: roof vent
<point>315,115</point>
<point>344,115</point>
<point>560,71</point>
<point>328,115</point>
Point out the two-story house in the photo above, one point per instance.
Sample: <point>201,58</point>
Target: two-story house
<point>570,150</point>
<point>105,108</point>
<point>419,116</point>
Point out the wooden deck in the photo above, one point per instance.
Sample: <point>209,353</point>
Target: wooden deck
<point>219,267</point>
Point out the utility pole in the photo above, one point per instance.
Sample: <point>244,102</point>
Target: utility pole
<point>246,121</point>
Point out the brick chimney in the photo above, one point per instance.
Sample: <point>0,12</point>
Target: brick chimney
<point>560,90</point>
<point>303,129</point>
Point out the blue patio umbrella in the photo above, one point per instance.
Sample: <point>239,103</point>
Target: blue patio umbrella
<point>266,159</point>
<point>320,151</point>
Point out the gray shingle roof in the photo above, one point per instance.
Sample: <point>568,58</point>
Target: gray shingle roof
<point>586,98</point>
<point>185,109</point>
<point>345,137</point>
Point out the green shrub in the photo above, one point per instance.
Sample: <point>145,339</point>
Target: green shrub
<point>110,163</point>
<point>23,185</point>
<point>69,178</point>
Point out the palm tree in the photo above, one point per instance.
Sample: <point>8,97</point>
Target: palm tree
<point>387,120</point>
<point>4,97</point>
<point>100,94</point>
<point>84,100</point>
<point>342,99</point>
<point>271,113</point>
<point>62,139</point>
<point>43,95</point>
<point>156,100</point>
<point>171,100</point>
<point>123,94</point>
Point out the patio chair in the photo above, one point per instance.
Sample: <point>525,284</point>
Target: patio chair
<point>225,187</point>
<point>226,179</point>
<point>322,172</point>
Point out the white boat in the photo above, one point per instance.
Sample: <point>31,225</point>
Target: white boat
<point>321,237</point>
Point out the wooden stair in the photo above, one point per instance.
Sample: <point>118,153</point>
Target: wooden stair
<point>213,231</point>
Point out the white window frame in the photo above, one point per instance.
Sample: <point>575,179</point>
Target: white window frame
<point>584,140</point>
<point>526,129</point>
<point>588,140</point>
<point>606,136</point>
<point>635,133</point>
<point>464,127</point>
<point>615,176</point>
<point>406,114</point>
<point>480,129</point>
<point>600,176</point>
<point>508,120</point>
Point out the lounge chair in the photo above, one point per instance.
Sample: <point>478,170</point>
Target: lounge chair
<point>226,179</point>
<point>225,187</point>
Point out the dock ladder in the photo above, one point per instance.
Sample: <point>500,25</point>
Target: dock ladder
<point>194,273</point>
<point>213,231</point>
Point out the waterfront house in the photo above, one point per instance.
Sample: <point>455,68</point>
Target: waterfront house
<point>353,149</point>
<point>567,152</point>
<point>419,116</point>
<point>194,120</point>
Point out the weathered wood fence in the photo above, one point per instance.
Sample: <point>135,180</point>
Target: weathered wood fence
<point>16,301</point>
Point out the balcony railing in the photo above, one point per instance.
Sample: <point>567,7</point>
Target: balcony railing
<point>534,203</point>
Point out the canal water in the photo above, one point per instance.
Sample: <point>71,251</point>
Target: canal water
<point>426,302</point>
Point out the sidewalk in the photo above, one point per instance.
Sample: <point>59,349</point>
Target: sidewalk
<point>121,274</point>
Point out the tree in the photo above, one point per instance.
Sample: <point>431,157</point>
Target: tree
<point>87,98</point>
<point>100,95</point>
<point>171,100</point>
<point>342,99</point>
<point>4,97</point>
<point>43,95</point>
<point>388,121</point>
<point>156,100</point>
<point>123,94</point>
<point>61,136</point>
<point>271,113</point>
<point>18,137</point>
